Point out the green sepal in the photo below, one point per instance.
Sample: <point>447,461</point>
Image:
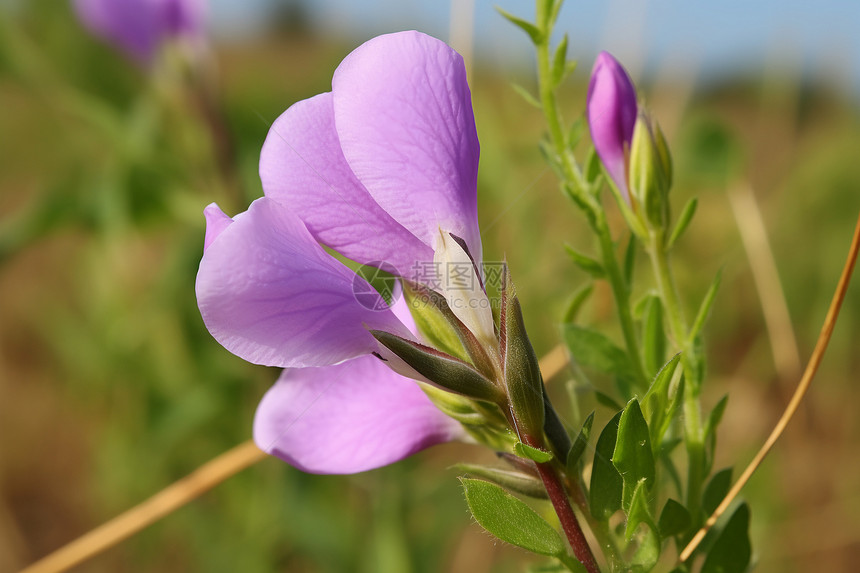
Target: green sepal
<point>633,456</point>
<point>528,452</point>
<point>533,31</point>
<point>509,519</point>
<point>731,551</point>
<point>433,325</point>
<point>576,301</point>
<point>586,263</point>
<point>514,481</point>
<point>579,445</point>
<point>683,222</point>
<point>674,519</point>
<point>477,354</point>
<point>522,372</point>
<point>441,369</point>
<point>604,494</point>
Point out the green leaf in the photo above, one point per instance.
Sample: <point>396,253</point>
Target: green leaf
<point>579,445</point>
<point>593,169</point>
<point>533,31</point>
<point>576,302</point>
<point>731,551</point>
<point>674,519</point>
<point>586,263</point>
<point>515,481</point>
<point>559,62</point>
<point>592,349</point>
<point>683,222</point>
<point>716,416</point>
<point>577,130</point>
<point>633,456</point>
<point>526,95</point>
<point>659,389</point>
<point>531,453</point>
<point>716,490</point>
<point>604,495</point>
<point>673,407</point>
<point>653,335</point>
<point>648,537</point>
<point>606,400</point>
<point>705,309</point>
<point>509,519</point>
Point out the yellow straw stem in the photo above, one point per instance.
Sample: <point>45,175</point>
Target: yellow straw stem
<point>799,393</point>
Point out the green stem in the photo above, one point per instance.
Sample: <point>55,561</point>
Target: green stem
<point>573,177</point>
<point>679,332</point>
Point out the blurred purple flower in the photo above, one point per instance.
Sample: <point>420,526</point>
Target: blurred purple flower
<point>373,170</point>
<point>612,110</point>
<point>139,27</point>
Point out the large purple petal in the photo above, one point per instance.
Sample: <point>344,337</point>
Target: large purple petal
<point>403,113</point>
<point>348,418</point>
<point>612,109</point>
<point>302,166</point>
<point>271,295</point>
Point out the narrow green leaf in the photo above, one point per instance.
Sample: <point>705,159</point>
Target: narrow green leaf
<point>716,416</point>
<point>630,259</point>
<point>526,95</point>
<point>604,495</point>
<point>641,526</point>
<point>577,130</point>
<point>586,263</point>
<point>531,453</point>
<point>732,550</point>
<point>653,334</point>
<point>533,31</point>
<point>633,456</point>
<point>593,349</point>
<point>606,400</point>
<point>515,481</point>
<point>579,445</point>
<point>705,309</point>
<point>509,519</point>
<point>576,302</point>
<point>683,222</point>
<point>660,385</point>
<point>559,62</point>
<point>593,169</point>
<point>674,519</point>
<point>716,490</point>
<point>638,512</point>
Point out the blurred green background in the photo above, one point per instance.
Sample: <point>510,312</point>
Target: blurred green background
<point>111,388</point>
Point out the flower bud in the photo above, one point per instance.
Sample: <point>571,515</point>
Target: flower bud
<point>611,110</point>
<point>651,171</point>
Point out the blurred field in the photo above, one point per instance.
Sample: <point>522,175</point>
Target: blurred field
<point>110,387</point>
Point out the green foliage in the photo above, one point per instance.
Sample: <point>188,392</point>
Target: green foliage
<point>594,350</point>
<point>705,308</point>
<point>511,520</point>
<point>533,31</point>
<point>653,335</point>
<point>578,446</point>
<point>606,483</point>
<point>586,263</point>
<point>731,552</point>
<point>684,220</point>
<point>674,519</point>
<point>514,481</point>
<point>633,456</point>
<point>531,453</point>
<point>716,490</point>
<point>577,300</point>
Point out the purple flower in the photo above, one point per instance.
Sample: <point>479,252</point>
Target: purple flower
<point>139,27</point>
<point>612,111</point>
<point>374,170</point>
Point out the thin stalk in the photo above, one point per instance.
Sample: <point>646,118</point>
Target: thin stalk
<point>573,176</point>
<point>678,330</point>
<point>561,504</point>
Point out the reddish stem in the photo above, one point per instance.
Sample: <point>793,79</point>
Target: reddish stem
<point>558,496</point>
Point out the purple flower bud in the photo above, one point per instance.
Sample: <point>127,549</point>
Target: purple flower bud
<point>612,111</point>
<point>139,27</point>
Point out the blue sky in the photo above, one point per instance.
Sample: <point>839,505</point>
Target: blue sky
<point>819,39</point>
